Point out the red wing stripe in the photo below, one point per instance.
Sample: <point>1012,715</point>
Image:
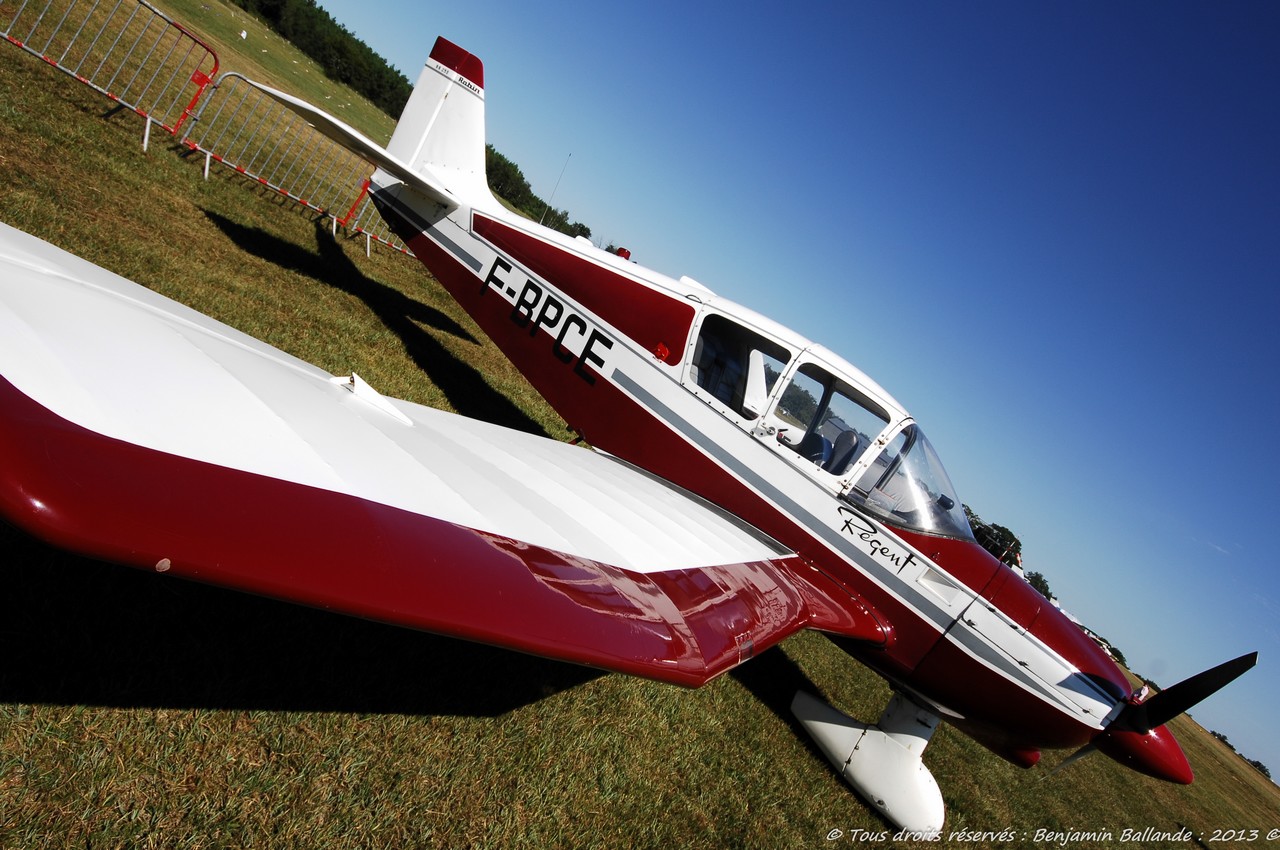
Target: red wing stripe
<point>114,500</point>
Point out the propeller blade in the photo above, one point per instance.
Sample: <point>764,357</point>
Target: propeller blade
<point>1086,750</point>
<point>1169,703</point>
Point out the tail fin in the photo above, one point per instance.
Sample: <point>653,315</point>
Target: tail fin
<point>441,130</point>
<point>438,146</point>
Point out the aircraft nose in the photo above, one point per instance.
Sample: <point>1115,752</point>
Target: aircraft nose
<point>1138,737</point>
<point>1155,753</point>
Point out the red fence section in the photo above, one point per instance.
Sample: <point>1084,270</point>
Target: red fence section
<point>127,49</point>
<point>141,58</point>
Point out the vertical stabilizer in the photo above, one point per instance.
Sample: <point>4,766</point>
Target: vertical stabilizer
<point>441,131</point>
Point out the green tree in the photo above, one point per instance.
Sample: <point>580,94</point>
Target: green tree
<point>799,404</point>
<point>343,57</point>
<point>996,539</point>
<point>346,59</point>
<point>1040,583</point>
<point>579,229</point>
<point>506,180</point>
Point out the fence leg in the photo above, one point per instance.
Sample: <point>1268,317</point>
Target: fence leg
<point>207,156</point>
<point>146,134</point>
<point>368,245</point>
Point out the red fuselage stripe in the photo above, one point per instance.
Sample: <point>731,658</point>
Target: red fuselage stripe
<point>653,320</point>
<point>613,421</point>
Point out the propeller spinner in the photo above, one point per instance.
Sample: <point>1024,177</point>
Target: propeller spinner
<point>1138,739</point>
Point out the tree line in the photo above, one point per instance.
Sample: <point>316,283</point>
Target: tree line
<point>508,182</point>
<point>343,57</point>
<point>1257,765</point>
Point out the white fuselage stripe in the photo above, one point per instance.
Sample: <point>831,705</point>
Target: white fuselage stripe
<point>972,644</point>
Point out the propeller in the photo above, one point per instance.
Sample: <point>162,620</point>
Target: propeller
<point>1087,750</point>
<point>1136,738</point>
<point>1160,709</point>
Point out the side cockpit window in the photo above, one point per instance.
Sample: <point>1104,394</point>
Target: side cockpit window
<point>827,421</point>
<point>736,366</point>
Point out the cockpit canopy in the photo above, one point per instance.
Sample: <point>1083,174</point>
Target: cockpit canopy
<point>867,450</point>
<point>906,485</point>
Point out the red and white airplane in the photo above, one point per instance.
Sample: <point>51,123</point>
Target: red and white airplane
<point>745,483</point>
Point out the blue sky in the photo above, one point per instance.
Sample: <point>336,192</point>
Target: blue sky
<point>1051,230</point>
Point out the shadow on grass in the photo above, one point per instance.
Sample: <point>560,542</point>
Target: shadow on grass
<point>79,632</point>
<point>463,384</point>
<point>773,678</point>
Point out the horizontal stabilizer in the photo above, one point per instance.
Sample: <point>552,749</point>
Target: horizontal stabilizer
<point>361,145</point>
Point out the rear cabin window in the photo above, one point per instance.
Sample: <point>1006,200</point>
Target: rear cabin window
<point>736,365</point>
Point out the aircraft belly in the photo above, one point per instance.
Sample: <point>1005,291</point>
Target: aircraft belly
<point>1009,707</point>
<point>984,633</point>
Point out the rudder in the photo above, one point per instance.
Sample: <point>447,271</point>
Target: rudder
<point>441,130</point>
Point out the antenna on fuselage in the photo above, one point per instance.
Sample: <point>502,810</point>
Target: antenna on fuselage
<point>556,188</point>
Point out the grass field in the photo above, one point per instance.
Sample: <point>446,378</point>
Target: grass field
<point>141,712</point>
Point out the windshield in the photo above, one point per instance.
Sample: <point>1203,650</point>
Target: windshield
<point>907,485</point>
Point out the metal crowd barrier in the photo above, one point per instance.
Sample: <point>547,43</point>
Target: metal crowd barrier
<point>142,59</point>
<point>126,49</point>
<point>242,128</point>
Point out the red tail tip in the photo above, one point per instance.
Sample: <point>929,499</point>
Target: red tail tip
<point>455,58</point>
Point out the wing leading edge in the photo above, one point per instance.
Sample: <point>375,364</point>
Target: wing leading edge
<point>135,430</point>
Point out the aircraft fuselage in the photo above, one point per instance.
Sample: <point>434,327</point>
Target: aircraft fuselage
<point>615,350</point>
